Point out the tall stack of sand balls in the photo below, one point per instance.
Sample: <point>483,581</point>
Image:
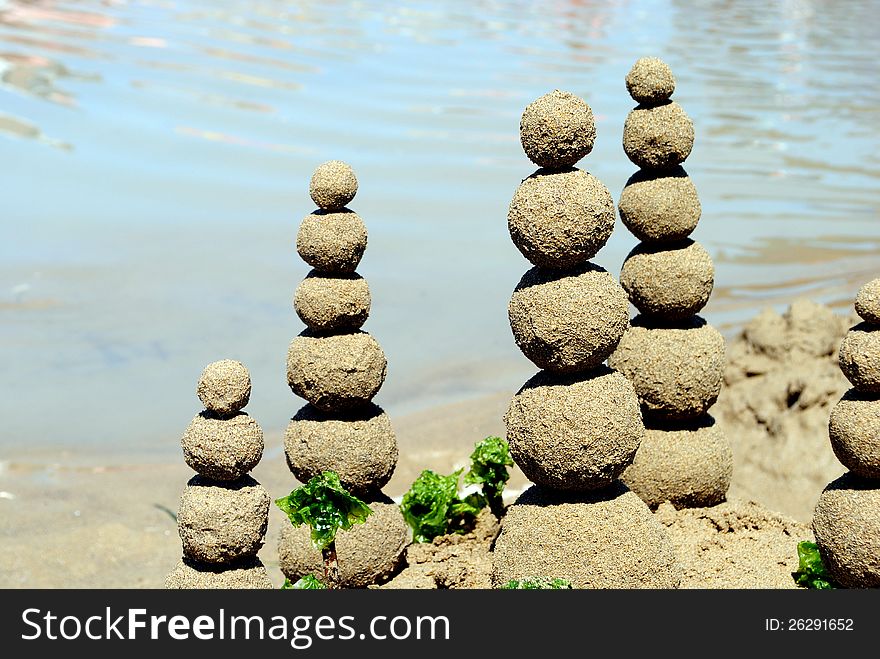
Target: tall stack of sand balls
<point>673,357</point>
<point>338,369</point>
<point>223,512</point>
<point>575,426</point>
<point>846,521</point>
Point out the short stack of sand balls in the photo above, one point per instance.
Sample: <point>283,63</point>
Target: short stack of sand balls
<point>223,512</point>
<point>338,369</point>
<point>575,426</point>
<point>846,521</point>
<point>673,357</point>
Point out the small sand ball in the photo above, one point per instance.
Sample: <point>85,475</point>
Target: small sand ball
<point>333,185</point>
<point>677,371</point>
<point>854,429</point>
<point>561,219</point>
<point>604,539</point>
<point>574,432</point>
<point>335,373</point>
<point>224,387</point>
<point>660,206</point>
<point>332,241</point>
<point>360,447</point>
<point>688,464</point>
<point>557,130</point>
<point>368,553</point>
<point>224,449</point>
<point>650,81</point>
<point>568,321</point>
<point>847,528</point>
<point>669,281</point>
<point>222,522</point>
<point>860,357</point>
<point>868,302</point>
<point>332,303</point>
<point>190,575</point>
<point>658,137</point>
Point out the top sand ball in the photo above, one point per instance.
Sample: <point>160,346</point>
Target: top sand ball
<point>225,387</point>
<point>650,81</point>
<point>868,302</point>
<point>333,185</point>
<point>557,130</point>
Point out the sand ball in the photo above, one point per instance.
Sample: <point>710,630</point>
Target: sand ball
<point>650,81</point>
<point>557,130</point>
<point>359,446</point>
<point>332,241</point>
<point>603,539</point>
<point>190,575</point>
<point>860,357</point>
<point>331,304</point>
<point>560,219</point>
<point>676,370</point>
<point>222,522</point>
<point>568,321</point>
<point>854,429</point>
<point>689,464</point>
<point>224,449</point>
<point>333,185</point>
<point>658,137</point>
<point>367,554</point>
<point>335,373</point>
<point>224,387</point>
<point>660,206</point>
<point>669,281</point>
<point>847,528</point>
<point>868,302</point>
<point>574,432</point>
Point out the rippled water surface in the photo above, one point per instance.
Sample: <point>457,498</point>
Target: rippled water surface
<point>157,155</point>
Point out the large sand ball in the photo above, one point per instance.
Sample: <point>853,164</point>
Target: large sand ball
<point>860,357</point>
<point>369,553</point>
<point>360,447</point>
<point>224,449</point>
<point>689,464</point>
<point>335,373</point>
<point>333,185</point>
<point>568,321</point>
<point>854,429</point>
<point>560,219</point>
<point>868,302</point>
<point>332,241</point>
<point>847,528</point>
<point>574,432</point>
<point>605,539</point>
<point>224,387</point>
<point>658,137</point>
<point>557,130</point>
<point>660,206</point>
<point>650,81</point>
<point>222,522</point>
<point>189,575</point>
<point>671,281</point>
<point>332,303</point>
<point>676,371</point>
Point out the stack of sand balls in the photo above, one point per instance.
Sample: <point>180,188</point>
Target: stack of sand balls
<point>338,369</point>
<point>223,512</point>
<point>673,357</point>
<point>575,426</point>
<point>846,521</point>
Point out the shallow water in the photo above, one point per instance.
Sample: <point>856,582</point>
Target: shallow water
<point>157,157</point>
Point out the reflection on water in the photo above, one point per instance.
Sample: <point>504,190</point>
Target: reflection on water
<point>158,153</point>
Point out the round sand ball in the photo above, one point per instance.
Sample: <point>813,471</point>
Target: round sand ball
<point>189,575</point>
<point>568,322</point>
<point>689,464</point>
<point>868,302</point>
<point>224,387</point>
<point>557,130</point>
<point>670,281</point>
<point>368,553</point>
<point>660,206</point>
<point>335,373</point>
<point>658,137</point>
<point>332,303</point>
<point>603,539</point>
<point>859,357</point>
<point>222,523</point>
<point>333,185</point>
<point>574,432</point>
<point>332,241</point>
<point>224,449</point>
<point>846,523</point>
<point>650,81</point>
<point>561,219</point>
<point>676,371</point>
<point>854,429</point>
<point>360,447</point>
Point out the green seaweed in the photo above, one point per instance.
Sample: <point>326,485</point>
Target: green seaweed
<point>433,507</point>
<point>308,582</point>
<point>537,583</point>
<point>489,463</point>
<point>811,572</point>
